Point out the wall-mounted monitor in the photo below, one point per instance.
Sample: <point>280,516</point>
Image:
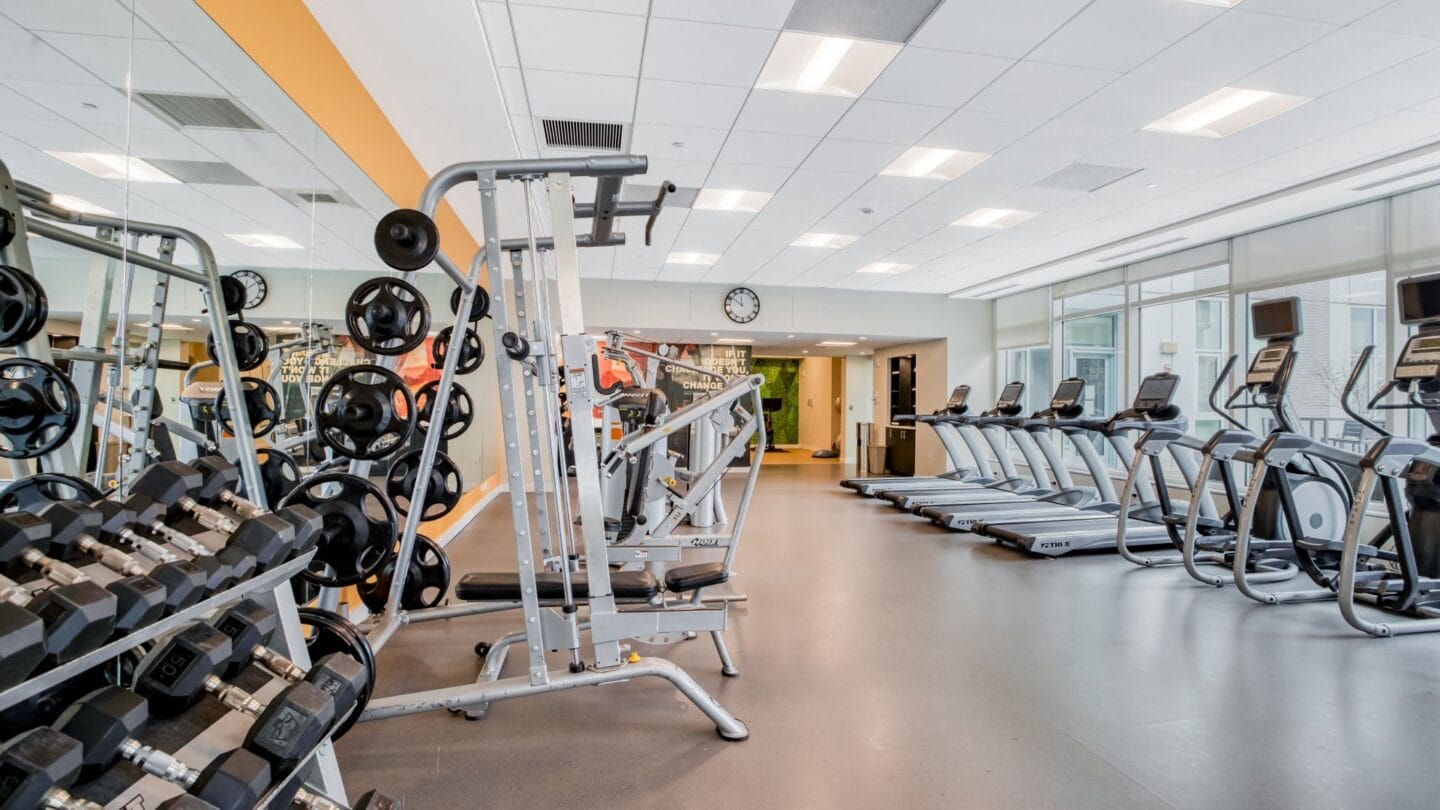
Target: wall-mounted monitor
<point>1278,318</point>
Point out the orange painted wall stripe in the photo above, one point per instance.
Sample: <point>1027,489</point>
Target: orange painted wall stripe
<point>288,43</point>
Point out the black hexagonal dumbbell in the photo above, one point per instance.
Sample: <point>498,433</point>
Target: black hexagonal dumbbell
<point>35,770</point>
<point>249,625</point>
<point>173,484</point>
<point>186,581</point>
<point>148,590</point>
<point>188,667</point>
<point>76,619</point>
<point>27,542</point>
<point>218,487</point>
<point>106,723</point>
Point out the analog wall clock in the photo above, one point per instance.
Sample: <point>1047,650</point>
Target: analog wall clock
<point>255,287</point>
<point>742,305</point>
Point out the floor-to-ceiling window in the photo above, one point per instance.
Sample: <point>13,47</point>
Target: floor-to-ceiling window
<point>1093,349</point>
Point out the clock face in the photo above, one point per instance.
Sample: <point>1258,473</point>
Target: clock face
<point>742,305</point>
<point>255,287</point>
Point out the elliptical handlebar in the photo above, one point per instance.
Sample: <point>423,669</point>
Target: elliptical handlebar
<point>1224,411</point>
<point>1355,374</point>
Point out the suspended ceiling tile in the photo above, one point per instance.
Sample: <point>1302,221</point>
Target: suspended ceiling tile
<point>975,131</point>
<point>1235,44</point>
<point>580,96</point>
<point>1120,34</point>
<point>1010,28</point>
<point>754,13</point>
<point>767,148</point>
<point>101,17</point>
<point>677,142</point>
<point>749,178</point>
<point>814,181</point>
<point>1335,60</point>
<point>835,154</point>
<point>578,41</point>
<point>888,122</point>
<point>678,50</point>
<point>1331,11</point>
<point>154,65</point>
<point>698,105</point>
<point>1420,17</point>
<point>1039,90</point>
<point>792,113</point>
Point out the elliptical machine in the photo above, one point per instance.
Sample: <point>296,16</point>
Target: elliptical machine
<point>1298,493</point>
<point>1407,584</point>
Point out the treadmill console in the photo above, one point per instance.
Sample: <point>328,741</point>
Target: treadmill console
<point>1277,319</point>
<point>1155,393</point>
<point>1067,394</point>
<point>956,402</point>
<point>1010,397</point>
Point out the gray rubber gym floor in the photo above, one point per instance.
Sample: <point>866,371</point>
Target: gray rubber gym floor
<point>888,663</point>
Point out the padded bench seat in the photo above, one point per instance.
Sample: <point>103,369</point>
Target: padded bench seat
<point>689,577</point>
<point>504,586</point>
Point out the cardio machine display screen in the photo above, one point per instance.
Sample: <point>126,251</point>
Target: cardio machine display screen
<point>1420,299</point>
<point>1011,394</point>
<point>1067,393</point>
<point>958,396</point>
<point>1275,319</point>
<point>1155,393</point>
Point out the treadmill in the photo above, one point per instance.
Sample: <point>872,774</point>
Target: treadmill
<point>948,432</point>
<point>992,425</point>
<point>1069,501</point>
<point>1152,408</point>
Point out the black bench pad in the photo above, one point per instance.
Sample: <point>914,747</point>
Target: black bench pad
<point>504,586</point>
<point>690,577</point>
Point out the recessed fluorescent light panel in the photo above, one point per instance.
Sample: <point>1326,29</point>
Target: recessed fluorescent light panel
<point>702,259</point>
<point>1220,3</point>
<point>836,343</point>
<point>731,199</point>
<point>831,66</point>
<point>995,218</point>
<point>113,167</point>
<point>1225,112</point>
<point>272,241</point>
<point>824,240</point>
<point>736,341</point>
<point>933,164</point>
<point>78,205</point>
<point>886,268</point>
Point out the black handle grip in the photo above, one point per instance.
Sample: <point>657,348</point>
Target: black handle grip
<point>666,188</point>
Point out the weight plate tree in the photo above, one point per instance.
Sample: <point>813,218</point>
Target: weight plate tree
<point>364,412</point>
<point>360,526</point>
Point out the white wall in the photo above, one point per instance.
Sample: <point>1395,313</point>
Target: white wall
<point>817,430</point>
<point>859,405</point>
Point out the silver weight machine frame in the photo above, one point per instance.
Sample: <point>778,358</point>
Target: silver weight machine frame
<point>549,316</point>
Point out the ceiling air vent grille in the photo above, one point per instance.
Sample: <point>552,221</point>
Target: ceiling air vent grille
<point>582,134</point>
<point>209,112</point>
<point>319,197</point>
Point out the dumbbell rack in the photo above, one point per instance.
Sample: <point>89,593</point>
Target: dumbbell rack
<point>320,769</point>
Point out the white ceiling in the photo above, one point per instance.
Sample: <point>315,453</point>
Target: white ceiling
<point>62,64</point>
<point>1040,84</point>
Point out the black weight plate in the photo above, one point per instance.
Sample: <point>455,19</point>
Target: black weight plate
<point>21,304</point>
<point>407,239</point>
<point>387,316</point>
<point>364,412</point>
<point>41,312</point>
<point>31,493</point>
<point>459,410</point>
<point>360,527</point>
<point>425,586</point>
<point>39,408</point>
<point>479,308</point>
<point>472,350</point>
<point>442,494</point>
<point>251,345</point>
<point>262,406</point>
<point>233,293</point>
<point>327,633</point>
<point>278,474</point>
